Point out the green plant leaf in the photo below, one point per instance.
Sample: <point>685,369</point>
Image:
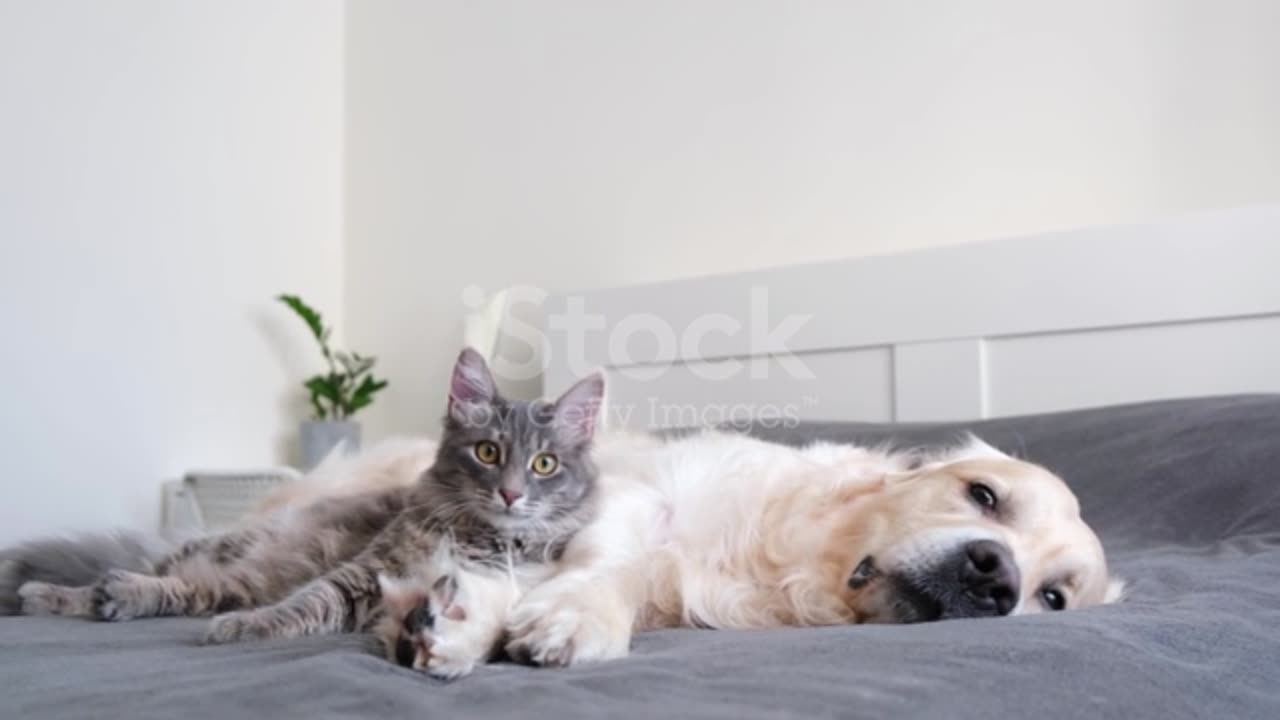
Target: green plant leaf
<point>308,315</point>
<point>364,393</point>
<point>321,413</point>
<point>328,387</point>
<point>321,388</point>
<point>349,385</point>
<point>353,364</point>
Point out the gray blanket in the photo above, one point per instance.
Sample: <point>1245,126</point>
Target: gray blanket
<point>1185,494</point>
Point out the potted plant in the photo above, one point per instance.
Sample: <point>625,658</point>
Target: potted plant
<point>347,388</point>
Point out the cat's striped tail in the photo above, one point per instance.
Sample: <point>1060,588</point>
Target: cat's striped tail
<point>74,561</point>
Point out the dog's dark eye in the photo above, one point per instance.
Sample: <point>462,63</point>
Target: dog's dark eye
<point>1053,599</point>
<point>983,495</point>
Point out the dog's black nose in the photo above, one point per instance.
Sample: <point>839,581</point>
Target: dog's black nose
<point>990,577</point>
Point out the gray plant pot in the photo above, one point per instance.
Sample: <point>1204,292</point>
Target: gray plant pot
<point>320,437</point>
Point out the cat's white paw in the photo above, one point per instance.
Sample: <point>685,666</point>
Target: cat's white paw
<point>564,632</point>
<point>448,647</point>
<point>448,652</point>
<point>429,629</point>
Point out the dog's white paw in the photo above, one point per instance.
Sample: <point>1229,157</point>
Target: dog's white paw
<point>561,634</point>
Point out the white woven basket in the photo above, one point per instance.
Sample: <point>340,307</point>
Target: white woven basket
<point>214,500</point>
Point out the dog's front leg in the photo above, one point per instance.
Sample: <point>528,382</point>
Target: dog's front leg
<point>587,611</point>
<point>574,618</point>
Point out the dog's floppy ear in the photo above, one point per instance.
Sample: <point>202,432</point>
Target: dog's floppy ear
<point>919,462</point>
<point>1116,589</point>
<point>972,447</point>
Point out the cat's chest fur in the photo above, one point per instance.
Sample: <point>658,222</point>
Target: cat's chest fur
<point>475,539</point>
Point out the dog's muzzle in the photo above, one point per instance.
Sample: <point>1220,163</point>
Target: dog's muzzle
<point>977,579</point>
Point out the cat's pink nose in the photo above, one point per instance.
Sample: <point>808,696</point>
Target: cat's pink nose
<point>510,496</point>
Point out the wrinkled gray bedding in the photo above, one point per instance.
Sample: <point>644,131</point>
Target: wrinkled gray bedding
<point>1185,494</point>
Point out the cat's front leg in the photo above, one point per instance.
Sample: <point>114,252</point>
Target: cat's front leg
<point>260,624</point>
<point>339,601</point>
<point>334,603</point>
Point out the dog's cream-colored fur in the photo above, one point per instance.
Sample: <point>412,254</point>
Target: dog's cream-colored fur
<point>726,531</point>
<point>398,462</point>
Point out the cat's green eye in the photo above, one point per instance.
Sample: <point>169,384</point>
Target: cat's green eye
<point>545,463</point>
<point>487,452</point>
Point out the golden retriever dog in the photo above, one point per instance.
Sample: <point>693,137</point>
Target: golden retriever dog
<point>718,530</point>
<point>726,531</point>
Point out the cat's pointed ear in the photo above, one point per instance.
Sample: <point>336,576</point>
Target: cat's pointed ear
<point>472,385</point>
<point>577,411</point>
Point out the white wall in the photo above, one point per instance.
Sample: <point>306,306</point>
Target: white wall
<point>573,143</point>
<point>165,169</point>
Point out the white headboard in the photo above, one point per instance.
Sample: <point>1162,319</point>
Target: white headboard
<point>1185,307</point>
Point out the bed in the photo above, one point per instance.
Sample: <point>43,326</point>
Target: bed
<point>1185,494</point>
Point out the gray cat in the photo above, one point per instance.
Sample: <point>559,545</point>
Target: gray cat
<point>511,483</point>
